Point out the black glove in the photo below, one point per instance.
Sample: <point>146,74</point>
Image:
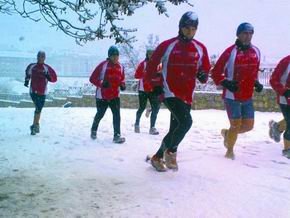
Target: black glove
<point>287,93</point>
<point>46,74</point>
<point>158,90</point>
<point>258,86</point>
<point>123,87</point>
<point>231,85</point>
<point>26,83</point>
<point>105,84</point>
<point>201,76</point>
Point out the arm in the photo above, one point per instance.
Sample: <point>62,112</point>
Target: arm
<point>95,77</point>
<point>123,84</point>
<point>27,75</point>
<point>52,77</point>
<point>275,79</point>
<point>140,71</point>
<point>158,79</point>
<point>258,66</point>
<point>258,86</point>
<point>203,71</point>
<point>218,73</point>
<point>153,63</point>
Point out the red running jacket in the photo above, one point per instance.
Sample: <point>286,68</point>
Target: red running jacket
<point>280,80</point>
<point>37,74</point>
<point>181,61</point>
<point>114,74</point>
<point>144,85</point>
<point>242,66</point>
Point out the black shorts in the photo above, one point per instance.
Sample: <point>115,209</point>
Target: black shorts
<point>38,101</point>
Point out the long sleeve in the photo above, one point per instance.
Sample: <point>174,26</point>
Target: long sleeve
<point>140,71</point>
<point>52,75</point>
<point>218,72</point>
<point>123,76</point>
<point>153,63</point>
<point>205,63</point>
<point>28,72</point>
<point>95,76</point>
<point>275,79</point>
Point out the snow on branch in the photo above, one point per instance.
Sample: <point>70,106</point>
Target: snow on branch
<point>84,20</point>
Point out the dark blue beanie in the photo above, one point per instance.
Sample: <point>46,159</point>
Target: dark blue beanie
<point>188,19</point>
<point>245,27</point>
<point>113,50</point>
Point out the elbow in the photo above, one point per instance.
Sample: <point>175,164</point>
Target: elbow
<point>91,80</point>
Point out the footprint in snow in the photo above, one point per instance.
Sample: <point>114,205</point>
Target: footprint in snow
<point>119,159</point>
<point>251,166</point>
<point>212,148</point>
<point>279,162</point>
<point>251,153</point>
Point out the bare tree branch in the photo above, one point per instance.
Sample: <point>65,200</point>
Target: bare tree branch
<point>77,18</point>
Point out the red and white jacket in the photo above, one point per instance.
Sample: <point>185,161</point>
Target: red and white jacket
<point>144,85</point>
<point>280,80</point>
<point>241,66</point>
<point>114,74</point>
<point>181,61</point>
<point>37,74</point>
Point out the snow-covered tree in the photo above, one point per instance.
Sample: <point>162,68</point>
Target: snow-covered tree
<point>131,56</point>
<point>152,41</point>
<point>84,20</point>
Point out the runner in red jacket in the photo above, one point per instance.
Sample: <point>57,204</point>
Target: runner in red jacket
<point>183,60</point>
<point>145,93</point>
<point>237,72</point>
<point>280,82</point>
<point>39,74</point>
<point>109,77</point>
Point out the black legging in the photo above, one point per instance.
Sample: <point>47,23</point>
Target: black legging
<point>38,101</point>
<point>180,123</point>
<point>155,106</point>
<point>102,106</point>
<point>286,113</point>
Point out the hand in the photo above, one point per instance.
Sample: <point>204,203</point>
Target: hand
<point>202,76</point>
<point>258,86</point>
<point>158,90</point>
<point>123,87</point>
<point>26,83</point>
<point>231,85</point>
<point>159,74</point>
<point>46,74</point>
<point>105,84</point>
<point>287,93</point>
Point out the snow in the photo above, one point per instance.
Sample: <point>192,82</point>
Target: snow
<point>8,101</point>
<point>63,173</point>
<point>12,86</point>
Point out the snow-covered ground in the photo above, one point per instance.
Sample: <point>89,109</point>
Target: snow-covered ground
<point>63,173</point>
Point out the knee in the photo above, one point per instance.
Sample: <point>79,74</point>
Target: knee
<point>37,111</point>
<point>99,116</point>
<point>247,127</point>
<point>117,115</point>
<point>236,126</point>
<point>155,110</point>
<point>186,124</point>
<point>141,108</point>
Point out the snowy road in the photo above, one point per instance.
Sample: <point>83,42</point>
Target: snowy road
<point>63,173</point>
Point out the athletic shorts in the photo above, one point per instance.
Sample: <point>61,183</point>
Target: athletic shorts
<point>239,109</point>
